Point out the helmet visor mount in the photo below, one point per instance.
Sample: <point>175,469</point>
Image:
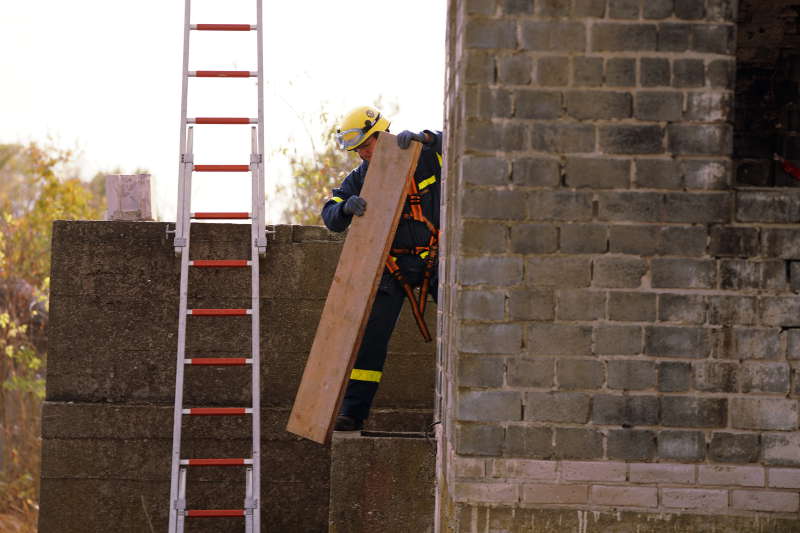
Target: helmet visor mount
<point>350,139</point>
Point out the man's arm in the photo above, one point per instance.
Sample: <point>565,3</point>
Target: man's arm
<point>334,214</point>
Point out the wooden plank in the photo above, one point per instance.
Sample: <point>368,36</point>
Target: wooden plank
<point>352,291</point>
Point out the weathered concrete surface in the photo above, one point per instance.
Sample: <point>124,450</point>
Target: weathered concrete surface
<point>382,483</point>
<point>493,519</point>
<point>107,419</point>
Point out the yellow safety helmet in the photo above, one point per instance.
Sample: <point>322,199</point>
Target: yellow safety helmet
<point>357,126</point>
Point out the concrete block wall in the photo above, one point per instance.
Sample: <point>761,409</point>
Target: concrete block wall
<point>107,418</point>
<point>618,320</point>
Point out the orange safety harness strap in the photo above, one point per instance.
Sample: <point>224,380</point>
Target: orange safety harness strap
<point>417,306</point>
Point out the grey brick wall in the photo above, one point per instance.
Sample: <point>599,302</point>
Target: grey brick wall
<point>615,315</point>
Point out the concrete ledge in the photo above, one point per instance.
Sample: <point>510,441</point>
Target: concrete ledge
<point>381,482</point>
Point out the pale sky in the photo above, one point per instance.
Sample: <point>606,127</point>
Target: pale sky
<point>105,76</point>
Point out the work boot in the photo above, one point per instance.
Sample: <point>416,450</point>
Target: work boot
<point>348,423</point>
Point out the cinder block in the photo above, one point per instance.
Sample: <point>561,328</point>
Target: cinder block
<point>469,467</point>
<point>598,105</point>
<point>716,376</point>
<point>527,441</point>
<point>687,241</point>
<point>684,446</point>
<point>494,204</point>
<point>632,306</point>
<point>534,238</point>
<point>581,304</point>
<point>764,414</point>
<point>624,496</point>
<point>765,377</point>
<point>769,206</point>
<point>535,172</point>
<point>658,173</point>
<point>616,37</point>
<point>608,471</point>
<point>682,308</point>
<point>485,103</point>
<point>697,208</point>
<point>481,371</point>
<point>625,410</point>
<point>570,206</point>
<point>536,104</point>
<point>711,174</point>
<point>552,71</point>
<point>631,139</point>
<point>689,9</point>
<point>489,405</point>
<point>618,340</point>
<point>765,500</point>
<point>490,33</point>
<point>721,73</point>
<point>662,473</point>
<point>558,271</point>
<point>784,478</point>
<point>550,36</point>
<point>734,241</point>
<point>618,272</point>
<point>630,206</point>
<point>524,469</point>
<point>479,439</point>
<point>484,170</point>
<point>531,373</point>
<point>531,304</point>
<point>713,38</point>
<point>479,66</point>
<point>589,8</point>
<point>684,411</point>
<point>555,494</point>
<point>486,492</point>
<point>578,444</point>
<point>491,338</point>
<point>781,449</point>
<point>655,72</point>
<point>515,69</point>
<point>579,374</point>
<point>631,444</point>
<point>735,274</point>
<point>484,237</point>
<point>676,341</point>
<point>783,311</point>
<point>563,137</point>
<point>743,476</point>
<point>623,9</point>
<point>674,37</point>
<point>682,273</point>
<point>659,106</point>
<point>700,139</point>
<point>633,239</point>
<point>688,73</point>
<point>674,376</point>
<point>620,72</point>
<point>694,499</point>
<point>561,407</point>
<point>583,238</point>
<point>626,374</point>
<point>481,135</point>
<point>598,173</point>
<point>587,71</point>
<point>497,271</point>
<point>658,9</point>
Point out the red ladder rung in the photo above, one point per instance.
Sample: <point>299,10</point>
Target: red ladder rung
<point>219,263</point>
<point>223,27</point>
<point>222,168</point>
<point>222,120</point>
<point>210,513</point>
<point>218,361</point>
<point>221,215</point>
<point>222,73</point>
<point>216,462</point>
<point>217,411</point>
<point>218,312</point>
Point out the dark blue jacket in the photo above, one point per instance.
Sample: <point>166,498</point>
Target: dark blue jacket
<point>410,233</point>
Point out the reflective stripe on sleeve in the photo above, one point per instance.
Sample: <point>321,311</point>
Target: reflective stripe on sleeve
<point>425,183</point>
<point>337,199</point>
<point>439,157</point>
<point>423,255</point>
<point>366,375</point>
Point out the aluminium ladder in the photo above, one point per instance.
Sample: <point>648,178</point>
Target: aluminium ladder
<point>251,507</point>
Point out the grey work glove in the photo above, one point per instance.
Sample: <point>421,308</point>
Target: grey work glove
<point>404,138</point>
<point>355,205</point>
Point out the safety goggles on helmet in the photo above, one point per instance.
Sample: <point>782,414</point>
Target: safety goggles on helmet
<point>349,139</point>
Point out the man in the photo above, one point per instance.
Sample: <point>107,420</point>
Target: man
<point>413,257</point>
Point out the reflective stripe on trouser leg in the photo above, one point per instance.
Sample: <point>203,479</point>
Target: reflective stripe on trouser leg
<point>372,353</point>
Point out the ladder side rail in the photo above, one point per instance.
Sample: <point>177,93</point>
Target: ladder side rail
<point>259,213</point>
<point>176,519</point>
<point>256,347</point>
<point>181,224</point>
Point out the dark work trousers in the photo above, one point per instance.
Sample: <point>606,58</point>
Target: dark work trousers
<point>372,353</point>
